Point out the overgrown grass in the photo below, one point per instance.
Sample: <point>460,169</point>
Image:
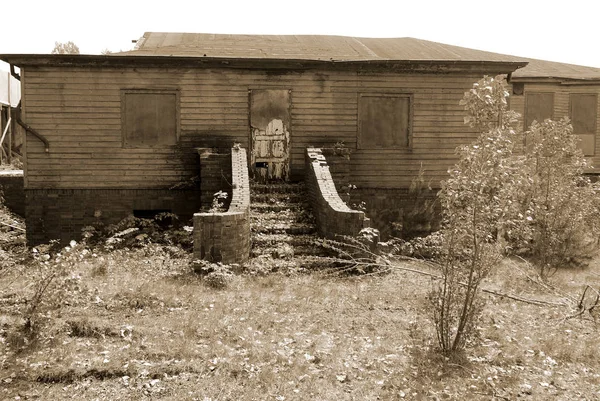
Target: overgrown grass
<point>143,325</point>
<point>135,323</point>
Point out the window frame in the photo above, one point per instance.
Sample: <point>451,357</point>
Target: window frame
<point>526,123</point>
<point>595,134</point>
<point>403,95</point>
<point>161,90</point>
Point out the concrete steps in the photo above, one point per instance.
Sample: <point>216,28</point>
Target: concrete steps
<point>278,188</point>
<point>283,228</point>
<point>271,207</point>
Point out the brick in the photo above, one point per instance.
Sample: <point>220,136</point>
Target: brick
<point>225,237</point>
<point>386,207</point>
<point>332,214</point>
<point>11,190</point>
<point>62,214</point>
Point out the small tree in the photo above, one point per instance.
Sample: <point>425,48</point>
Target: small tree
<point>473,203</point>
<point>65,48</point>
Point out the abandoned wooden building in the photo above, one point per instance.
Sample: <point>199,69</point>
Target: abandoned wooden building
<point>122,130</point>
<point>545,89</point>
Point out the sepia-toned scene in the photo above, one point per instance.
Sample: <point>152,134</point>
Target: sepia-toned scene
<point>354,211</point>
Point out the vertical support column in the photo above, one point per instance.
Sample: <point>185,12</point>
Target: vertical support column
<point>10,123</point>
<point>225,237</point>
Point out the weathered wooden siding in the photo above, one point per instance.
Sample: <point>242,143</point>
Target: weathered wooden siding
<point>561,105</point>
<point>437,129</point>
<point>79,111</point>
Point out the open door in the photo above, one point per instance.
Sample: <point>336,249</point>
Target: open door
<point>270,119</point>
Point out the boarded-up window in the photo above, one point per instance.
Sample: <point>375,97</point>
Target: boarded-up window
<point>384,121</point>
<point>149,118</point>
<point>584,109</point>
<point>538,107</point>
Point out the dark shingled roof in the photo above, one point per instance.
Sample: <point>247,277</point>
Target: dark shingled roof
<point>307,47</point>
<point>551,69</point>
<point>283,51</point>
<point>342,48</point>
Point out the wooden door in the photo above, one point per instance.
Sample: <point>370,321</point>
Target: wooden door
<point>270,133</point>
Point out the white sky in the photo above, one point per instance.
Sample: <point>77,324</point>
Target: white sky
<point>565,31</point>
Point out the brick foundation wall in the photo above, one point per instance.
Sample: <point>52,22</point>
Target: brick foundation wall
<point>62,213</point>
<point>225,237</point>
<point>11,190</point>
<point>332,214</point>
<point>388,210</point>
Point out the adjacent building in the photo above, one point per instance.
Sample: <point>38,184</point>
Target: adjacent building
<point>122,130</point>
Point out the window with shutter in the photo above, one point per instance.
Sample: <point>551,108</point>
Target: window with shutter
<point>149,118</point>
<point>384,121</point>
<point>584,109</point>
<point>538,106</point>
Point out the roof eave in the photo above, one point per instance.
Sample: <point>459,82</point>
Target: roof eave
<point>557,80</point>
<point>22,60</point>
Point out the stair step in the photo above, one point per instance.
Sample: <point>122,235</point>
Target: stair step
<point>259,207</point>
<point>282,251</point>
<point>287,215</point>
<point>294,228</point>
<point>258,219</point>
<point>276,251</point>
<point>274,198</point>
<point>264,239</point>
<point>265,216</point>
<point>265,263</point>
<point>277,188</point>
<point>282,226</point>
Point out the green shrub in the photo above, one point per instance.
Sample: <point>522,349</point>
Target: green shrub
<point>538,201</point>
<point>55,285</point>
<point>135,232</point>
<point>555,221</point>
<point>473,203</point>
<point>428,247</point>
<point>214,275</point>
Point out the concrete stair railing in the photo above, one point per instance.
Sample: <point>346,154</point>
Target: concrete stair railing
<point>225,236</point>
<point>333,216</point>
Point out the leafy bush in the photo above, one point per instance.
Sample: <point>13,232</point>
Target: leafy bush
<point>473,203</point>
<point>556,220</point>
<point>54,286</point>
<point>16,163</point>
<point>538,201</point>
<point>215,275</point>
<point>428,247</point>
<point>134,232</point>
<point>218,202</point>
<point>356,255</point>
